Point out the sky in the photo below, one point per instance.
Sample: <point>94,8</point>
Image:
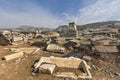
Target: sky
<point>52,13</point>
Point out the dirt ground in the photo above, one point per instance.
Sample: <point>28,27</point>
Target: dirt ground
<point>104,67</point>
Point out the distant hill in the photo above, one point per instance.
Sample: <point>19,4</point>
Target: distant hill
<point>26,28</point>
<point>105,24</point>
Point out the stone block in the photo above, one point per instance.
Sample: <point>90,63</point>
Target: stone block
<point>87,58</point>
<point>55,48</point>
<point>47,68</point>
<point>13,56</point>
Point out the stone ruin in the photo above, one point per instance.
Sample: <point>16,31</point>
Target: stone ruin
<point>55,48</point>
<point>50,64</point>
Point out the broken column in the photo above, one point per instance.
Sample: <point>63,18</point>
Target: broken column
<point>73,25</point>
<point>13,56</point>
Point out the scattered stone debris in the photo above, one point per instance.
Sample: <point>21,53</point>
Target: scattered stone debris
<point>72,44</point>
<point>26,50</point>
<point>78,47</point>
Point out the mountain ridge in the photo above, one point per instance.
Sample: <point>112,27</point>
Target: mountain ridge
<point>104,24</point>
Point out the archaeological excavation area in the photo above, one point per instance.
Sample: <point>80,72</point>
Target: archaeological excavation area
<point>70,52</point>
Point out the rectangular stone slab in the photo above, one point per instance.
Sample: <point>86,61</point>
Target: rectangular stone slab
<point>13,56</point>
<point>61,62</point>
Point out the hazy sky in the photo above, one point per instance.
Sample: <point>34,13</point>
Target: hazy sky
<point>52,13</point>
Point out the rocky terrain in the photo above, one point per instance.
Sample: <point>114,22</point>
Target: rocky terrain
<point>18,59</point>
<point>103,67</point>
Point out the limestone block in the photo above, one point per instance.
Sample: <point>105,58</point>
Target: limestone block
<point>67,74</point>
<point>86,70</point>
<point>87,58</point>
<point>47,68</point>
<point>13,56</point>
<point>55,48</point>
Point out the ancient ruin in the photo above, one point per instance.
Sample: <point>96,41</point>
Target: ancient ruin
<point>49,63</point>
<point>69,52</point>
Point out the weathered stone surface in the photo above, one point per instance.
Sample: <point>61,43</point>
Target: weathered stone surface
<point>36,51</point>
<point>86,70</point>
<point>47,68</point>
<point>67,74</point>
<point>87,58</point>
<point>13,56</point>
<point>55,48</point>
<point>61,62</point>
<point>17,39</point>
<point>105,49</point>
<point>61,40</point>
